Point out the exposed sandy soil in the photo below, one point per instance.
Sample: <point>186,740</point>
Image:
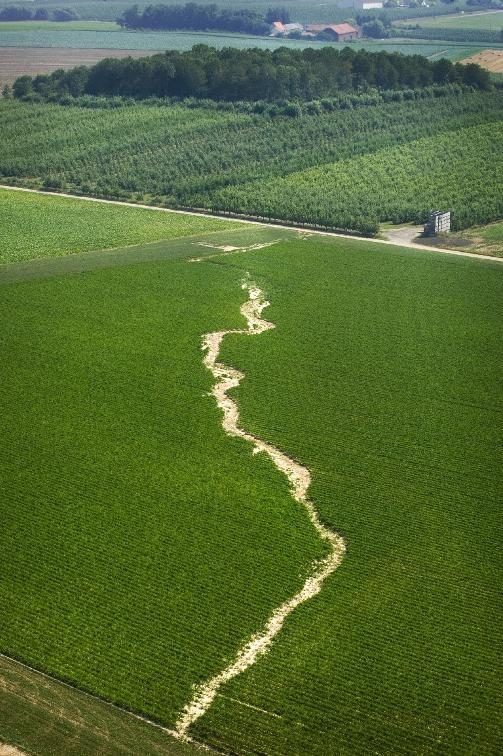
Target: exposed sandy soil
<point>299,478</point>
<point>7,750</point>
<point>20,61</point>
<point>491,60</point>
<point>403,234</point>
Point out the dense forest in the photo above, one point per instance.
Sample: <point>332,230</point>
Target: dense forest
<point>192,16</point>
<point>236,75</point>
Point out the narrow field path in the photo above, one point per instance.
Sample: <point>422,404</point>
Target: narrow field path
<point>299,478</point>
<point>263,223</point>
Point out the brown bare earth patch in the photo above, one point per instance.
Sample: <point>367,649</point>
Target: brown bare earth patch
<point>7,750</point>
<point>20,61</point>
<point>491,60</point>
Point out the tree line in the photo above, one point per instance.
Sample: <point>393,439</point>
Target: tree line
<point>18,13</point>
<point>194,17</point>
<point>250,75</point>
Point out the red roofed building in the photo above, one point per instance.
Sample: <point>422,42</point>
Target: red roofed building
<point>340,32</point>
<point>277,28</point>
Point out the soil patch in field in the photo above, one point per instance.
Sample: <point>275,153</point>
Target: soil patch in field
<point>8,750</point>
<point>491,60</point>
<point>21,61</point>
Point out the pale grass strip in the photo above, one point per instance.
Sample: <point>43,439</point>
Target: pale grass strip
<point>109,704</point>
<point>299,477</point>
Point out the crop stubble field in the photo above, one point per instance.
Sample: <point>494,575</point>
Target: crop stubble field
<point>30,61</point>
<point>380,376</point>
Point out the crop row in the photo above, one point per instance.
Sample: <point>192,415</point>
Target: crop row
<point>183,156</point>
<point>459,171</point>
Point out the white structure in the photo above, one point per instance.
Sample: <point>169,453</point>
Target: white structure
<point>438,223</point>
<point>278,29</point>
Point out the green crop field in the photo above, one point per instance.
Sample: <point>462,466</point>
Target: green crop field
<point>461,171</point>
<point>184,156</point>
<point>111,37</point>
<point>301,10</point>
<point>381,376</point>
<point>50,26</point>
<point>141,545</point>
<point>30,217</point>
<point>483,21</point>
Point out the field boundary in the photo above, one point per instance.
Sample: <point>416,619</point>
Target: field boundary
<point>111,704</point>
<point>234,217</point>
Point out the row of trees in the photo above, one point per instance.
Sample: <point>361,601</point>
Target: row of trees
<point>459,170</point>
<point>232,74</point>
<point>196,17</point>
<point>184,156</point>
<point>17,13</point>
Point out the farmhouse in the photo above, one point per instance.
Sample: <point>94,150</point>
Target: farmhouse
<point>278,29</point>
<point>340,32</point>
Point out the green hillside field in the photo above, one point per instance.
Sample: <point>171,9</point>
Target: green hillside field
<point>34,225</point>
<point>142,546</point>
<point>185,156</point>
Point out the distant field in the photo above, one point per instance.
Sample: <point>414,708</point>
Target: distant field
<point>139,40</point>
<point>301,10</point>
<point>51,26</point>
<point>492,60</point>
<point>27,216</point>
<point>153,545</point>
<point>484,21</point>
<point>20,61</point>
